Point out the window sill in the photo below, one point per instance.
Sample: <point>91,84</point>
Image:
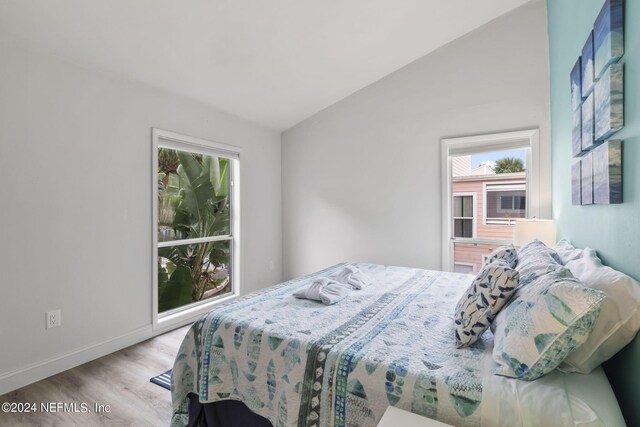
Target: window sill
<point>182,316</point>
<point>501,223</point>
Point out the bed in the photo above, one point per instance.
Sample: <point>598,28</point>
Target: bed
<point>297,362</point>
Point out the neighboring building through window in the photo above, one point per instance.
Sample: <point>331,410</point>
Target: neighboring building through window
<point>497,177</point>
<point>484,207</point>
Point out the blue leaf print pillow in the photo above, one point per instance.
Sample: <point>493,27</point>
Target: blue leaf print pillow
<point>507,253</point>
<point>549,319</point>
<point>536,259</point>
<point>489,292</point>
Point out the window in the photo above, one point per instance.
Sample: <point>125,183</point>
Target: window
<point>196,222</point>
<point>489,181</point>
<point>463,215</point>
<point>464,268</point>
<point>505,202</point>
<point>512,202</point>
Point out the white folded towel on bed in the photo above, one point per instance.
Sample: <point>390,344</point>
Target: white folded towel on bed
<point>350,275</point>
<point>323,289</point>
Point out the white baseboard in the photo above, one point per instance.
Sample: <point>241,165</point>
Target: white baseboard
<point>12,380</point>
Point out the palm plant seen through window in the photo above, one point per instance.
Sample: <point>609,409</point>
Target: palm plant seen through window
<point>194,232</point>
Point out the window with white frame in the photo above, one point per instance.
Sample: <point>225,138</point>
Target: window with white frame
<point>196,222</point>
<point>464,215</point>
<point>503,170</point>
<point>505,202</point>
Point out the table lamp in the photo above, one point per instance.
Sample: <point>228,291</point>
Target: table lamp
<point>527,230</point>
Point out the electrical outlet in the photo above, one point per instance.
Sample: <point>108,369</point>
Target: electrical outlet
<point>54,319</point>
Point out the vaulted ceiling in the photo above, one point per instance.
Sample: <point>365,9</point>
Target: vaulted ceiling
<point>273,62</point>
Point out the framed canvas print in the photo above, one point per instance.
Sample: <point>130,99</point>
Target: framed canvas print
<point>576,133</point>
<point>608,36</point>
<point>587,66</point>
<point>587,123</point>
<point>576,184</point>
<point>586,174</point>
<point>576,85</point>
<point>607,173</point>
<point>609,102</point>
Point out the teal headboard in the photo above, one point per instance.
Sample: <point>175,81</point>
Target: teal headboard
<point>623,371</point>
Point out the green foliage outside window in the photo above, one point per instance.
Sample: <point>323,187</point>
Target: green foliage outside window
<point>193,202</point>
<point>509,165</point>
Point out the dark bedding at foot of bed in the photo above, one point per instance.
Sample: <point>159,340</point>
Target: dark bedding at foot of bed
<point>226,413</point>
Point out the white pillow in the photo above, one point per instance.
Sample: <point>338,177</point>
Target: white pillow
<point>619,319</point>
<point>567,251</point>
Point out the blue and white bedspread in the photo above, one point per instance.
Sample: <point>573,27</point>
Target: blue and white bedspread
<point>301,363</point>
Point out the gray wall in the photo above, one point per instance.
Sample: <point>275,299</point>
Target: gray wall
<point>362,179</point>
<point>75,203</point>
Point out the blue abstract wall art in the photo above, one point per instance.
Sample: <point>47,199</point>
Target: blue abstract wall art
<point>576,184</point>
<point>576,85</point>
<point>587,66</point>
<point>588,123</point>
<point>607,173</point>
<point>609,102</point>
<point>576,136</point>
<point>586,169</point>
<point>608,36</point>
<point>597,105</point>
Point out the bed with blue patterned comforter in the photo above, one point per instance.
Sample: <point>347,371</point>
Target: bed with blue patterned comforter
<point>301,363</point>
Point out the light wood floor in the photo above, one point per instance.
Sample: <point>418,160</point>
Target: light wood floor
<point>120,380</point>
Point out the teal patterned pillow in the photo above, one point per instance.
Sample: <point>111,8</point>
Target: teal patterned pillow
<point>489,292</point>
<point>507,253</point>
<point>549,319</point>
<point>536,259</point>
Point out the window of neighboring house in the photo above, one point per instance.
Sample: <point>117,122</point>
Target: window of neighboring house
<point>505,202</point>
<point>196,223</point>
<point>464,215</point>
<point>464,268</point>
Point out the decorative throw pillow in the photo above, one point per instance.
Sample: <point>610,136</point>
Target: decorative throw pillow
<point>489,292</point>
<point>507,253</point>
<point>549,319</point>
<point>619,319</point>
<point>536,259</point>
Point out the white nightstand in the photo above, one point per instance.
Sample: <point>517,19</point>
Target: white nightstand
<point>394,417</point>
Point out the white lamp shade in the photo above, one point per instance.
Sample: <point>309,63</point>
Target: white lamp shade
<point>527,230</point>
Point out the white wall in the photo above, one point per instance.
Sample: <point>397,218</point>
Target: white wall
<point>362,179</point>
<point>75,206</point>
